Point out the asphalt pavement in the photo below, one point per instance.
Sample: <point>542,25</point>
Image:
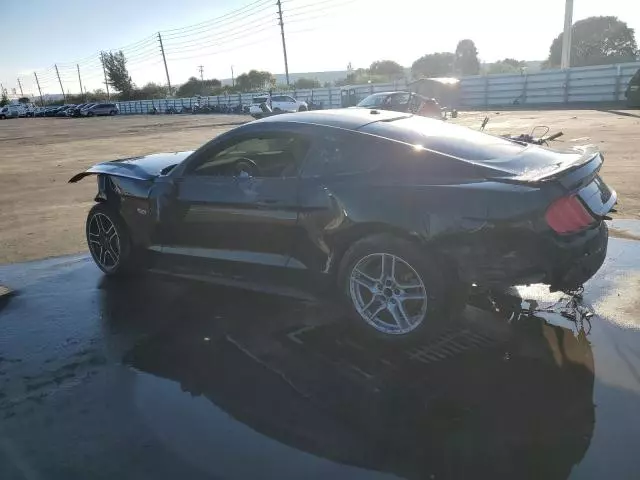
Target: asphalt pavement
<point>161,378</point>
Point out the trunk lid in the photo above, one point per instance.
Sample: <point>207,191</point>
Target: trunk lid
<point>577,172</point>
<point>145,167</point>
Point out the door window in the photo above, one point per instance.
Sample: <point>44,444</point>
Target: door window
<point>256,156</point>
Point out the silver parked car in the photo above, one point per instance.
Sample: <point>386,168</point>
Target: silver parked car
<point>100,109</point>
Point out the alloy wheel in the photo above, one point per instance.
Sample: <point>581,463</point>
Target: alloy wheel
<point>104,241</point>
<point>388,293</point>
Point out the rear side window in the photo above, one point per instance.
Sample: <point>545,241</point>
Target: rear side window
<point>343,153</point>
<point>447,138</point>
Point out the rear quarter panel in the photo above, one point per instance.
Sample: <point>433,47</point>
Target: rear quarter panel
<point>459,220</point>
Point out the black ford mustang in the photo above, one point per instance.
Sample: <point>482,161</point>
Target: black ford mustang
<point>403,213</point>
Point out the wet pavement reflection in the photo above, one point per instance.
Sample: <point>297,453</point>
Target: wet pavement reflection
<point>159,378</point>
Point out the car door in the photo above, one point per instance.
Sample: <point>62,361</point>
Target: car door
<point>289,104</point>
<point>236,207</point>
<point>399,102</point>
<point>277,102</point>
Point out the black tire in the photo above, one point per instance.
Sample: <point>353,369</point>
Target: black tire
<point>302,108</point>
<point>277,109</point>
<point>112,113</point>
<point>126,263</point>
<point>90,114</point>
<point>3,117</point>
<point>429,270</point>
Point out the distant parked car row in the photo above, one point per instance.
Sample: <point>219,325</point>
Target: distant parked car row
<point>82,110</point>
<point>16,110</point>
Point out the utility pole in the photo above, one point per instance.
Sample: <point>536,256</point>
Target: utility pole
<point>164,59</point>
<point>38,83</point>
<point>80,80</point>
<point>201,69</point>
<point>20,85</point>
<point>284,44</point>
<point>64,98</point>
<point>565,61</point>
<point>233,81</point>
<point>104,70</point>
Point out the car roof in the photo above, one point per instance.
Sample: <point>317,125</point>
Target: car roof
<point>348,118</point>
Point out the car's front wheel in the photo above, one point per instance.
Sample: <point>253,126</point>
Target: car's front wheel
<point>109,240</point>
<point>394,288</point>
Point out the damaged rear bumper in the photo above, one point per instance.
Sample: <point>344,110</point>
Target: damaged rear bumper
<point>563,263</point>
<point>578,261</point>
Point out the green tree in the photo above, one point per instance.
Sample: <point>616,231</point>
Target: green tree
<point>24,100</point>
<point>194,86</point>
<point>75,98</point>
<point>387,68</point>
<point>434,65</point>
<point>255,80</point>
<point>508,65</point>
<point>4,100</point>
<point>151,91</point>
<point>118,76</point>
<point>466,62</point>
<point>596,41</point>
<point>98,95</point>
<point>306,83</point>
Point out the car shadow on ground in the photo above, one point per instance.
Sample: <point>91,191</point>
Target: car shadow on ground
<point>621,113</point>
<point>484,399</point>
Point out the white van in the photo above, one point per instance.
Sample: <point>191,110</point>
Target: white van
<point>13,111</point>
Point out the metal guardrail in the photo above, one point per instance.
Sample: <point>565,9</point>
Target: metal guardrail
<point>602,83</point>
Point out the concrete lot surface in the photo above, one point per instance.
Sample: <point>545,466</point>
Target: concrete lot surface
<point>42,216</point>
<point>163,379</point>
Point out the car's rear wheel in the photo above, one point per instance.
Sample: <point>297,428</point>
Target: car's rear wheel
<point>90,114</point>
<point>112,113</point>
<point>302,108</point>
<point>109,241</point>
<point>395,289</point>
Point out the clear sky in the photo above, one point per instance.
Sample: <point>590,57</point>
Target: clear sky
<point>321,34</point>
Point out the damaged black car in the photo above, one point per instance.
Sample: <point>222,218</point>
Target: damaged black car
<point>402,214</point>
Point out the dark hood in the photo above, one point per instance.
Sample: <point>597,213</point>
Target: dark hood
<point>139,168</point>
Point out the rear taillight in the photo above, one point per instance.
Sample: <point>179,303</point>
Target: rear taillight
<point>568,215</point>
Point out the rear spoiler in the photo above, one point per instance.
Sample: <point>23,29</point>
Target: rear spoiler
<point>580,171</point>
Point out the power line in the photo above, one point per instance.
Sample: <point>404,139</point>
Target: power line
<point>229,39</point>
<point>243,10</point>
<point>223,51</point>
<point>245,27</point>
<point>222,25</point>
<point>322,9</point>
